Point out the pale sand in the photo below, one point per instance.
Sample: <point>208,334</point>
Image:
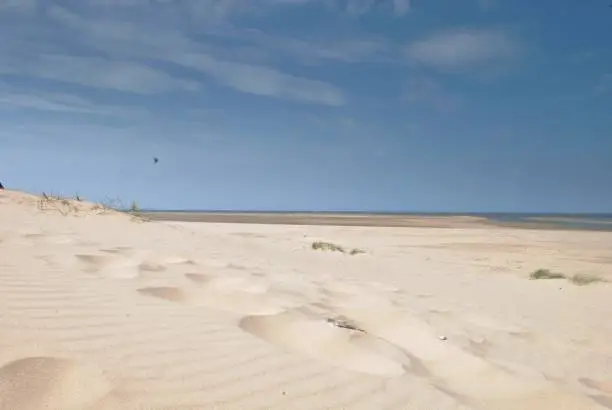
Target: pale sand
<point>99,311</point>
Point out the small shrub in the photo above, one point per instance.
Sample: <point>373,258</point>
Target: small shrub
<point>546,274</point>
<point>327,246</point>
<point>332,247</point>
<point>579,279</point>
<point>582,279</point>
<point>134,207</point>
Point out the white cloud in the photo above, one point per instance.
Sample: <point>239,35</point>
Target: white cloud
<point>100,73</point>
<point>488,4</point>
<point>228,7</point>
<point>358,7</point>
<point>604,85</point>
<point>401,6</point>
<point>62,102</point>
<point>166,44</point>
<point>459,49</point>
<point>128,38</point>
<point>135,46</point>
<point>45,102</point>
<point>425,91</point>
<point>121,50</point>
<point>347,50</point>
<point>18,5</point>
<point>264,81</point>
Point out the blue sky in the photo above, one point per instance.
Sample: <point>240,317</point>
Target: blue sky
<point>431,105</point>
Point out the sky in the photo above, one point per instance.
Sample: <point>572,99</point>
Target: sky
<point>357,105</point>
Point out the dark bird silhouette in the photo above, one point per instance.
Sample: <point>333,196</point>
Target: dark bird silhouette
<point>155,160</point>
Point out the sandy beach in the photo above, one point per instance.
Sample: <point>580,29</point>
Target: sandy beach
<point>100,310</point>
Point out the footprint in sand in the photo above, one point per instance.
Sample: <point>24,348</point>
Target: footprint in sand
<point>121,250</point>
<point>125,263</point>
<point>447,366</point>
<point>604,389</point>
<point>168,293</point>
<point>321,339</point>
<point>239,292</point>
<point>36,383</point>
<point>245,295</point>
<point>110,266</point>
<point>600,385</point>
<point>461,373</point>
<point>38,237</point>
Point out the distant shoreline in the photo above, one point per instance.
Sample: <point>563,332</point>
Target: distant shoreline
<point>590,222</point>
<point>386,213</point>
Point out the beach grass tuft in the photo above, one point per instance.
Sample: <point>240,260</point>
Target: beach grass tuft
<point>583,279</point>
<point>546,274</point>
<point>579,279</point>
<point>332,247</point>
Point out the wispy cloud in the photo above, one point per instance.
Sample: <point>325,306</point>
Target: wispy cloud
<point>18,5</point>
<point>99,72</point>
<point>263,80</point>
<point>46,102</point>
<point>226,7</point>
<point>314,49</point>
<point>604,85</point>
<point>487,4</point>
<point>356,7</point>
<point>425,91</point>
<point>125,55</point>
<point>399,7</point>
<point>65,103</point>
<point>22,98</point>
<point>463,48</point>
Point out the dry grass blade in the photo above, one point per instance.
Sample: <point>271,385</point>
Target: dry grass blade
<point>76,206</point>
<point>344,324</point>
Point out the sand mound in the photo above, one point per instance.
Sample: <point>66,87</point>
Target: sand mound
<point>35,383</point>
<point>320,339</point>
<point>166,293</point>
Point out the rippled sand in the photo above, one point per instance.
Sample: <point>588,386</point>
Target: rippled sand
<point>100,310</point>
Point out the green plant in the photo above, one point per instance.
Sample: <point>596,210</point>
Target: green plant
<point>582,279</point>
<point>327,246</point>
<point>134,207</point>
<point>332,247</point>
<point>579,279</point>
<point>546,274</point>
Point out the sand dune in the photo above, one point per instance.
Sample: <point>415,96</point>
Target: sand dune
<point>99,311</point>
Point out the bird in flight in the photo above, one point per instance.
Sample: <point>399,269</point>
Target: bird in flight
<point>155,160</point>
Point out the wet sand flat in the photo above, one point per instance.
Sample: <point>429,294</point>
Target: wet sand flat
<point>380,220</point>
<point>318,219</point>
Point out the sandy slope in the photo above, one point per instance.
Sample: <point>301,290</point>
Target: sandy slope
<point>98,311</point>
